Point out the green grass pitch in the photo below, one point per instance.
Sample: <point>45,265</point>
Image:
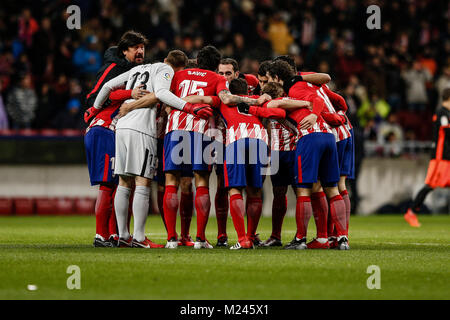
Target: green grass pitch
<point>414,263</point>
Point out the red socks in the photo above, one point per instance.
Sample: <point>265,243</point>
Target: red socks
<point>202,206</point>
<point>279,208</point>
<point>319,204</point>
<point>303,213</point>
<point>338,215</point>
<point>186,209</point>
<point>348,206</point>
<point>254,210</point>
<point>103,211</point>
<point>221,204</point>
<point>170,207</point>
<point>237,214</point>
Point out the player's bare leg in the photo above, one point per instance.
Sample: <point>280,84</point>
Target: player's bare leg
<point>254,210</point>
<point>202,206</point>
<point>237,211</point>
<point>170,205</point>
<point>319,205</point>
<point>121,203</point>
<point>186,211</point>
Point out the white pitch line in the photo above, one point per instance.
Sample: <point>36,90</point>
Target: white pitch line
<point>419,244</point>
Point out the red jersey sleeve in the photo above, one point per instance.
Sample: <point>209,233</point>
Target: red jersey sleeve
<point>333,119</point>
<point>119,95</point>
<point>215,102</point>
<point>252,82</point>
<point>271,113</point>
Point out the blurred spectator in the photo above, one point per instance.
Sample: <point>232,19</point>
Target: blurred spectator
<point>416,77</point>
<point>22,103</point>
<point>279,35</point>
<point>442,83</point>
<point>390,134</point>
<point>376,109</point>
<point>4,124</point>
<point>87,58</point>
<point>28,26</point>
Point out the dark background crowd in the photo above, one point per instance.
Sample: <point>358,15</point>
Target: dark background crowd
<point>392,78</point>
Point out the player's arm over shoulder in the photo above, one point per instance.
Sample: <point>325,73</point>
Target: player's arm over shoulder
<point>116,83</point>
<point>213,101</point>
<point>288,103</point>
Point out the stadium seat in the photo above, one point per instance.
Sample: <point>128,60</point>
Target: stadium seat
<point>6,206</point>
<point>72,133</point>
<point>45,206</point>
<point>8,132</point>
<point>49,132</point>
<point>24,206</point>
<point>27,132</point>
<point>85,206</point>
<point>64,206</point>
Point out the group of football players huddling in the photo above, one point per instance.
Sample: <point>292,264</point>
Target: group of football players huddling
<point>179,119</point>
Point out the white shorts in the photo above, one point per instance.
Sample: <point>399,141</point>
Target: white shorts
<point>135,154</point>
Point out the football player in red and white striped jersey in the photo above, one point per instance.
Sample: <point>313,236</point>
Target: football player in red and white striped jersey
<point>316,154</point>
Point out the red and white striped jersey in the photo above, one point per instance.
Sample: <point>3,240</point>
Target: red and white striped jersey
<point>340,132</point>
<point>107,117</point>
<point>281,137</point>
<point>241,125</point>
<point>308,92</point>
<point>194,82</point>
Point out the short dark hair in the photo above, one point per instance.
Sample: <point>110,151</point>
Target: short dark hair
<point>273,89</point>
<point>177,59</point>
<point>238,86</point>
<point>446,94</point>
<point>288,59</point>
<point>232,62</point>
<point>192,63</point>
<point>130,39</point>
<point>208,58</point>
<point>281,69</point>
<point>263,68</point>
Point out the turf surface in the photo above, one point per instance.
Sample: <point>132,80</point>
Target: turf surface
<point>414,263</point>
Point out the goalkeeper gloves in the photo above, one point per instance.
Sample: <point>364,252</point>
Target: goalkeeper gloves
<point>202,111</point>
<point>90,114</point>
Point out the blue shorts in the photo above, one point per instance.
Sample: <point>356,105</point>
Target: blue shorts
<point>100,144</point>
<point>351,174</point>
<point>187,151</point>
<point>283,162</point>
<point>219,157</point>
<point>245,162</point>
<point>345,156</point>
<point>316,159</point>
